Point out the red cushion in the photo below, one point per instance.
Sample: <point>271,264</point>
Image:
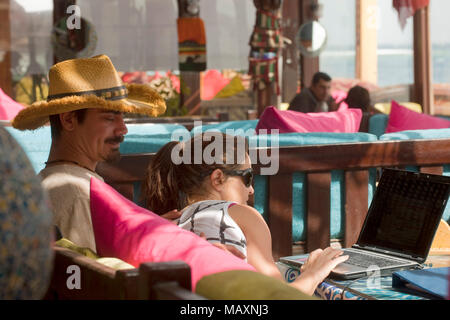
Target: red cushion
<point>135,235</point>
<point>347,120</point>
<point>402,118</point>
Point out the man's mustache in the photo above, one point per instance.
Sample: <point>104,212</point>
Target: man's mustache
<point>118,139</point>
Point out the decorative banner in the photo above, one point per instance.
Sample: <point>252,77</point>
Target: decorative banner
<point>191,44</point>
<point>407,8</point>
<point>266,42</point>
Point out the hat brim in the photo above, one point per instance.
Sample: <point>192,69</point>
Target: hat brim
<point>141,100</point>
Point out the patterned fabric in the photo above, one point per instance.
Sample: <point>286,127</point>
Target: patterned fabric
<point>191,44</point>
<point>360,289</point>
<point>211,218</point>
<point>25,226</point>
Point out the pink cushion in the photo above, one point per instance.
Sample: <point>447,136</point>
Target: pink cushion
<point>131,233</point>
<point>402,118</point>
<point>212,82</point>
<point>347,120</point>
<point>8,107</point>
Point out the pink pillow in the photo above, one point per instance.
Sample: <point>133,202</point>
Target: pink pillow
<point>135,235</point>
<point>8,107</point>
<point>402,118</point>
<point>293,121</point>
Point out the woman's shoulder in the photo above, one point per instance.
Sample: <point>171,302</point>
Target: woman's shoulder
<point>244,210</point>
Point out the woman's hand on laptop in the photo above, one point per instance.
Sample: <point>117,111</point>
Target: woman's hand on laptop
<point>319,265</point>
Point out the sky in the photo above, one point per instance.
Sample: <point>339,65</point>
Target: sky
<point>338,19</point>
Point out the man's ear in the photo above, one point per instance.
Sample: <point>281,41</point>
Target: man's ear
<point>68,120</point>
<point>217,179</point>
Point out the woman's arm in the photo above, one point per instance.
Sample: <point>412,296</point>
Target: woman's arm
<point>259,240</point>
<point>259,251</point>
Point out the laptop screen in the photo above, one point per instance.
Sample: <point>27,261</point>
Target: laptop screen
<point>405,212</point>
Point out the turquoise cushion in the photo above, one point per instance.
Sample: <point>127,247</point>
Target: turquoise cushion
<point>417,134</point>
<point>35,143</point>
<point>337,188</point>
<point>312,138</point>
<point>243,126</point>
<point>149,138</point>
<point>378,124</point>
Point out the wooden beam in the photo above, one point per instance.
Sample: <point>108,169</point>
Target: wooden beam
<point>366,68</point>
<point>356,204</point>
<point>5,48</point>
<point>423,87</point>
<point>318,213</point>
<point>59,12</point>
<point>280,214</point>
<point>308,66</point>
<point>290,76</point>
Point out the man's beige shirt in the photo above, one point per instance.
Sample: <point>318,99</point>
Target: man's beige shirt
<point>68,187</point>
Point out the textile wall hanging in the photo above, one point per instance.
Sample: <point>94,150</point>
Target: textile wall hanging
<point>407,8</point>
<point>265,42</point>
<point>191,44</point>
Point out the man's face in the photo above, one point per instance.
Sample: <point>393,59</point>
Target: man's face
<point>321,90</point>
<point>100,134</point>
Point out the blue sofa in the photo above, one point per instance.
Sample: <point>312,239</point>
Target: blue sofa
<point>148,138</point>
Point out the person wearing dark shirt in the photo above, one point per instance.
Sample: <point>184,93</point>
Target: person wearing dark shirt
<point>316,98</point>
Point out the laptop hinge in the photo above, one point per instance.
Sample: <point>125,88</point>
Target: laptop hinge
<point>390,253</point>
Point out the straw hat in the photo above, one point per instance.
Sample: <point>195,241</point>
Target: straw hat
<point>89,83</point>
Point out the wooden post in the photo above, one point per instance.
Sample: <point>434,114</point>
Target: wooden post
<point>5,48</point>
<point>189,79</point>
<point>423,87</point>
<point>59,12</point>
<point>366,41</point>
<point>290,76</point>
<point>308,66</point>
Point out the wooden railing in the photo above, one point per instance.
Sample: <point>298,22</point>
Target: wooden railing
<point>317,162</point>
<point>166,280</point>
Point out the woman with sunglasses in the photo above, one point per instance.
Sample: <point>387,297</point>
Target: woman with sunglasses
<point>212,197</point>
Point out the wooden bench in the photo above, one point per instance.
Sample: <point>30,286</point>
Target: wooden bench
<point>317,162</point>
<point>168,280</point>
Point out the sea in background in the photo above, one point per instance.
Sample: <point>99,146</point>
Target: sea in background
<point>395,65</point>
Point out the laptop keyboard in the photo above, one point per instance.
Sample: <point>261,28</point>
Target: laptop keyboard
<point>365,260</point>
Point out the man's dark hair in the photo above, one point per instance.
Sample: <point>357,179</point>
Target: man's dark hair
<point>55,123</point>
<point>320,76</point>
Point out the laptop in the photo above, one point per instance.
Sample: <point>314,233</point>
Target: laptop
<point>399,227</point>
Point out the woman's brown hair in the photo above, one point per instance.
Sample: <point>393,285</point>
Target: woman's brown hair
<point>168,185</point>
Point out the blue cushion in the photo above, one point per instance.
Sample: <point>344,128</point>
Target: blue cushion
<point>35,143</point>
<point>313,138</point>
<point>149,138</point>
<point>299,199</point>
<point>417,134</point>
<point>378,124</point>
<point>243,126</point>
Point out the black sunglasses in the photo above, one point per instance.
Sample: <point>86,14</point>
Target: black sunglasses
<point>247,175</point>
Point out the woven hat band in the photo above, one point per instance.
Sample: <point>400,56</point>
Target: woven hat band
<point>116,93</point>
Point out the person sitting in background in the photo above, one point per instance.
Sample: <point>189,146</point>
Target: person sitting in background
<point>358,97</point>
<point>316,98</point>
<point>212,195</point>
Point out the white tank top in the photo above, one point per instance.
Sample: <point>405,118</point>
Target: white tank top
<point>211,218</point>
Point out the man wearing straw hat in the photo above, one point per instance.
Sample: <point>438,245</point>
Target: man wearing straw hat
<point>85,108</point>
